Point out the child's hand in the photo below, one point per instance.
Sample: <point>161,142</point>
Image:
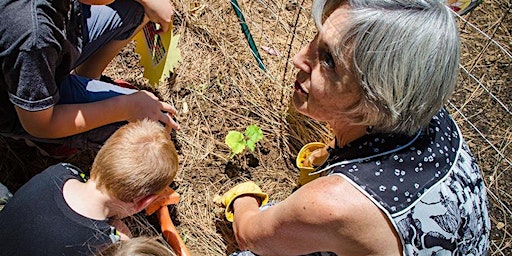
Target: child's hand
<point>144,104</point>
<point>159,12</point>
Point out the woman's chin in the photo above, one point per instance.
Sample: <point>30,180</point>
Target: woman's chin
<point>300,104</point>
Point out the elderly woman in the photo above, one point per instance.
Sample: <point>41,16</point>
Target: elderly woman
<point>399,178</point>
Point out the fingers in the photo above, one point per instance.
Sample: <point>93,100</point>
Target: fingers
<point>167,23</point>
<point>312,157</point>
<point>163,26</point>
<point>168,111</point>
<point>149,106</point>
<point>307,162</point>
<point>160,12</point>
<point>169,122</point>
<point>318,157</point>
<point>166,107</point>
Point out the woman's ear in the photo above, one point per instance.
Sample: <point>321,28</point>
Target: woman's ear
<point>143,201</point>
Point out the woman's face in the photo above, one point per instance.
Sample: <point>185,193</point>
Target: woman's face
<point>324,86</point>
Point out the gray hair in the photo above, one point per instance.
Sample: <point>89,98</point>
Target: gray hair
<point>404,54</point>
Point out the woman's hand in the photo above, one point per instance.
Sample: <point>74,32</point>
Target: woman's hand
<point>247,188</point>
<point>159,12</point>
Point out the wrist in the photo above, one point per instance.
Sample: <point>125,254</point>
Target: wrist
<point>123,107</point>
<point>246,200</point>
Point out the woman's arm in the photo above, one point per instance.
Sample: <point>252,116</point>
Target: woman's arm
<point>289,227</point>
<point>327,214</point>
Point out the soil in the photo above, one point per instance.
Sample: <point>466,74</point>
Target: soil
<point>218,87</point>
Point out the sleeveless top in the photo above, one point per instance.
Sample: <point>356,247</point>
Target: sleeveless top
<point>428,185</point>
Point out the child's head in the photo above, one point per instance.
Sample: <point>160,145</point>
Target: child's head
<point>138,160</point>
<point>138,246</point>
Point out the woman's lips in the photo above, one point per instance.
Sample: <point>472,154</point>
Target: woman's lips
<point>298,87</point>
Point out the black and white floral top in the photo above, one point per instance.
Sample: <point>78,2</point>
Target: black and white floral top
<point>428,185</point>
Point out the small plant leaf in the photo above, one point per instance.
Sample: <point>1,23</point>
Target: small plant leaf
<point>253,133</point>
<point>235,141</point>
<point>251,145</point>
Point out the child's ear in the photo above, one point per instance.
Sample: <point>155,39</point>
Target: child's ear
<point>143,201</point>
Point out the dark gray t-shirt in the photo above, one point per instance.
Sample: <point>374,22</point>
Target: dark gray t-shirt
<point>38,220</point>
<point>38,48</point>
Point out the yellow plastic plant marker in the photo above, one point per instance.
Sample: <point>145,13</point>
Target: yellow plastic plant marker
<point>159,53</point>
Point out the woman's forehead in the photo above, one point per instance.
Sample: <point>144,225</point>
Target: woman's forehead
<point>338,17</point>
<point>334,25</point>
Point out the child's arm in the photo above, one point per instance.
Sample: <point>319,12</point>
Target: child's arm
<point>158,11</point>
<point>70,119</point>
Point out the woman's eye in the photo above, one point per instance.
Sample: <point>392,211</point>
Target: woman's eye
<point>327,59</point>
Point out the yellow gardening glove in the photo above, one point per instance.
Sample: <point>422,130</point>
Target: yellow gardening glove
<point>310,156</point>
<point>246,188</point>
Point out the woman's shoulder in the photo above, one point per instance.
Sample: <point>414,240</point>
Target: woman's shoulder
<point>341,211</point>
<point>337,197</point>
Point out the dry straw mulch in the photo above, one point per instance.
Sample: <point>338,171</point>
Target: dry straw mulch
<point>219,87</point>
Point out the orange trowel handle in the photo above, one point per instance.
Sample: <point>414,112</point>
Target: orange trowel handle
<point>166,197</point>
<point>171,235</point>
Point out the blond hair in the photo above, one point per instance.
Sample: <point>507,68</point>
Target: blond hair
<point>138,246</point>
<point>139,159</point>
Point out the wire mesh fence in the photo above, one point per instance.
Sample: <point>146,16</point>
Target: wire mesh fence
<point>482,107</point>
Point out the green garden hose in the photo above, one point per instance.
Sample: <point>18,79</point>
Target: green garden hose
<point>247,33</point>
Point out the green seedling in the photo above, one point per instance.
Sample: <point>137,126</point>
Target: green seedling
<point>237,141</point>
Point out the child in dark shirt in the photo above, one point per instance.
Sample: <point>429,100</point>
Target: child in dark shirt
<point>52,56</point>
<point>62,212</point>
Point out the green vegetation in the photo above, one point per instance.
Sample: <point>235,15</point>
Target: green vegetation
<point>237,141</point>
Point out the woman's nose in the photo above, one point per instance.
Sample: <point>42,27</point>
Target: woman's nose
<point>301,60</point>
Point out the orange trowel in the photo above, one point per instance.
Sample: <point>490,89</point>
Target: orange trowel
<point>171,234</point>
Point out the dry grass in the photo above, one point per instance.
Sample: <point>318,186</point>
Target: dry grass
<point>219,87</point>
<point>482,107</point>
